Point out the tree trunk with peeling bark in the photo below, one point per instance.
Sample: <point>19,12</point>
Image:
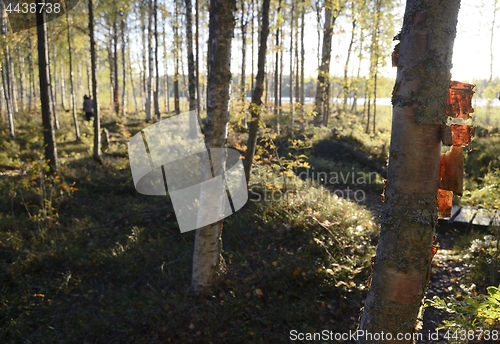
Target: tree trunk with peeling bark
<point>208,264</point>
<point>404,251</point>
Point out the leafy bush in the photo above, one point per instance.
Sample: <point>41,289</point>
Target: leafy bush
<point>41,193</point>
<point>482,258</point>
<point>470,313</point>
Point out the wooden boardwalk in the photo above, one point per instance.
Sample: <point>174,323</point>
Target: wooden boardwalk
<point>474,216</point>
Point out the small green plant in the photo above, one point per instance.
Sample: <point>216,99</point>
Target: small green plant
<point>486,196</point>
<point>470,312</point>
<point>42,193</point>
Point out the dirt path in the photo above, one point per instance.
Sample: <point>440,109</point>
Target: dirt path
<point>448,272</point>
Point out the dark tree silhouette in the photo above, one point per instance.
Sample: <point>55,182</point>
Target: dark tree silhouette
<point>43,71</point>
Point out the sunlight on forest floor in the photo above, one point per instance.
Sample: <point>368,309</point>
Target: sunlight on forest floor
<point>85,257</point>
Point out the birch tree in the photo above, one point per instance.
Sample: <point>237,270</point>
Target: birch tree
<point>149,72</point>
<point>157,72</point>
<point>176,60</point>
<point>71,82</point>
<point>6,73</point>
<point>49,139</point>
<point>332,9</point>
<point>419,100</point>
<point>208,265</point>
<point>190,55</point>
<point>93,61</point>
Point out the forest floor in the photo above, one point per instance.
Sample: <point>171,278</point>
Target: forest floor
<point>447,274</point>
<point>94,261</point>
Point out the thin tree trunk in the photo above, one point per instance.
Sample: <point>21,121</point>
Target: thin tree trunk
<point>124,69</point>
<point>208,264</point>
<point>318,8</point>
<point>13,84</point>
<point>52,86</point>
<point>404,252</point>
<point>349,50</point>
<point>326,103</point>
<point>369,107</point>
<point>492,31</point>
<point>190,56</point>
<point>43,72</point>
<point>280,81</point>
<point>79,89</point>
<point>253,42</point>
<point>276,70</point>
<point>183,73</point>
<point>89,72</point>
<point>176,62</point>
<point>324,69</point>
<point>6,89</point>
<point>296,57</point>
<point>302,63</point>
<point>116,89</point>
<point>374,51</point>
<point>63,89</point>
<point>197,44</point>
<point>193,104</point>
<point>490,79</point>
<point>376,31</point>
<point>360,59</point>
<point>93,60</point>
<point>291,68</point>
<point>132,83</point>
<point>71,82</point>
<point>255,107</point>
<point>6,73</point>
<point>165,60</point>
<point>22,81</point>
<point>111,76</point>
<point>144,59</point>
<point>31,78</point>
<point>157,73</point>
<point>243,61</point>
<point>149,78</point>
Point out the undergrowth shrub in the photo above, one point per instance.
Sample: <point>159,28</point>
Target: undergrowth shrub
<point>473,318</point>
<point>41,193</point>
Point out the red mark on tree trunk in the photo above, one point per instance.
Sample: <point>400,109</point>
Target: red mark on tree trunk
<point>451,174</point>
<point>444,202</point>
<point>461,135</point>
<point>460,99</point>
